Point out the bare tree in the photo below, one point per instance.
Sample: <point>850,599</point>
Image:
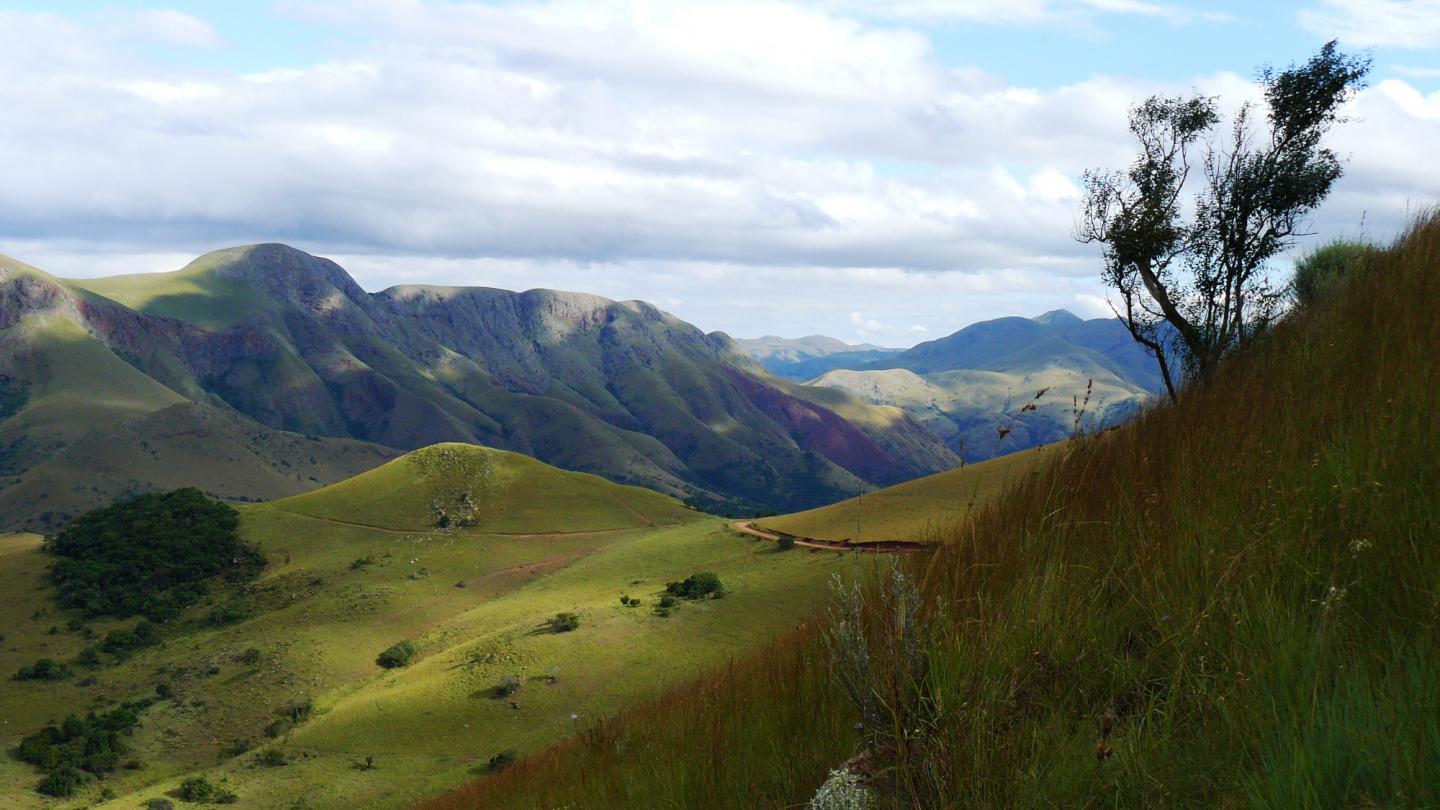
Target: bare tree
<point>1192,278</point>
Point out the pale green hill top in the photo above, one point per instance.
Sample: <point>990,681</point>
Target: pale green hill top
<point>460,486</point>
<point>918,510</point>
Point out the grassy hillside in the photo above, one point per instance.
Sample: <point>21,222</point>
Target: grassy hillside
<point>475,599</point>
<point>1234,601</point>
<point>488,490</point>
<point>926,509</point>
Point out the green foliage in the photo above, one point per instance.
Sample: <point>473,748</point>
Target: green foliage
<point>45,669</point>
<point>272,758</point>
<point>697,586</point>
<point>122,642</point>
<point>509,685</point>
<point>397,655</point>
<point>1322,269</point>
<point>251,657</point>
<point>200,790</point>
<point>61,782</point>
<point>786,542</point>
<point>158,804</point>
<point>564,622</point>
<point>80,747</point>
<point>154,555</point>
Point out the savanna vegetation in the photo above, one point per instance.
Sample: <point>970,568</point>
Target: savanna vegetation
<point>153,555</point>
<point>1233,601</point>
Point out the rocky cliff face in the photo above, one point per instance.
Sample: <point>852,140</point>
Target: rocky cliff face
<point>620,389</point>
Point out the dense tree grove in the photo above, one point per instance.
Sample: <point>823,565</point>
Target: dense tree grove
<point>153,555</point>
<point>81,748</point>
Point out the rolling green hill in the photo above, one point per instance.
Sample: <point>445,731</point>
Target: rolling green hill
<point>924,510</point>
<point>358,566</point>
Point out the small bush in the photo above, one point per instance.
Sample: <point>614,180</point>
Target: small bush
<point>786,542</point>
<point>121,643</point>
<point>509,685</point>
<point>1322,269</point>
<point>61,782</point>
<point>88,657</point>
<point>198,789</point>
<point>250,657</point>
<point>667,601</point>
<point>45,669</point>
<point>164,691</point>
<point>277,728</point>
<point>362,562</point>
<point>158,804</point>
<point>502,760</point>
<point>272,758</point>
<point>564,622</point>
<point>697,586</point>
<point>398,655</point>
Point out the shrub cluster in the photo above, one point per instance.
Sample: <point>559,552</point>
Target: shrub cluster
<point>398,655</point>
<point>80,749</point>
<point>697,586</point>
<point>153,555</point>
<point>122,642</point>
<point>45,669</point>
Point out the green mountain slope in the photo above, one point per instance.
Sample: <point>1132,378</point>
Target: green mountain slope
<point>355,568</point>
<point>619,389</point>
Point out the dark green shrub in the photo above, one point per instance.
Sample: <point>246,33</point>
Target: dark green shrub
<point>277,728</point>
<point>158,804</point>
<point>398,655</point>
<point>88,657</point>
<point>696,586</point>
<point>786,542</point>
<point>509,685</point>
<point>272,758</point>
<point>164,691</point>
<point>1323,268</point>
<point>45,669</point>
<point>299,711</point>
<point>61,782</point>
<point>122,642</point>
<point>153,555</point>
<point>564,622</point>
<point>250,657</point>
<point>70,752</point>
<point>198,789</point>
<point>502,760</point>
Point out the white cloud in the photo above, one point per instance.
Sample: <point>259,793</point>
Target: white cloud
<point>1418,72</point>
<point>1397,23</point>
<point>755,166</point>
<point>1024,12</point>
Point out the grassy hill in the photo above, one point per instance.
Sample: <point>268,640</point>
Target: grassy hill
<point>1232,602</point>
<point>925,510</point>
<point>361,565</point>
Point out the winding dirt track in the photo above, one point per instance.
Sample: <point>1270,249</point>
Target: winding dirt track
<point>880,547</point>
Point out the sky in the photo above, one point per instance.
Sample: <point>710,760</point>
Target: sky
<point>885,172</point>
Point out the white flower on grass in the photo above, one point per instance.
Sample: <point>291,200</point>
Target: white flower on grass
<point>842,791</point>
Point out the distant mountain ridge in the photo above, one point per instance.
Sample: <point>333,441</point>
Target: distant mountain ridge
<point>966,387</point>
<point>804,358</point>
<point>289,342</point>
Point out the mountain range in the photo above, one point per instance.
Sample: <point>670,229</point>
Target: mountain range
<point>975,389</point>
<point>218,372</point>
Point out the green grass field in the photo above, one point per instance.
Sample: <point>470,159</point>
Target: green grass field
<point>924,510</point>
<point>475,600</point>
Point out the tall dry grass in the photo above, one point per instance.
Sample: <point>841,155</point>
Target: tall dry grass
<point>1233,601</point>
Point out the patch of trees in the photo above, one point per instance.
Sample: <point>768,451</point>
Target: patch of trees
<point>697,586</point>
<point>81,748</point>
<point>153,555</point>
<point>45,669</point>
<point>398,655</point>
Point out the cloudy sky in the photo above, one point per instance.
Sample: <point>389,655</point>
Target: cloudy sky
<point>880,171</point>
